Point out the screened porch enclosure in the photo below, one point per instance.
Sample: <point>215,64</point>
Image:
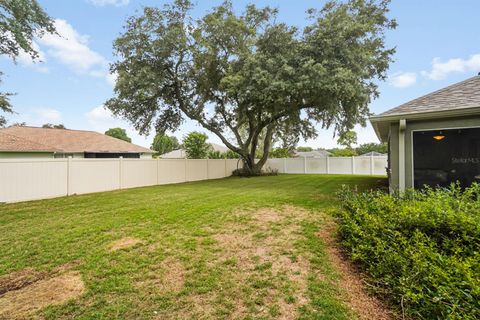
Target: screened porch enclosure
<point>441,157</point>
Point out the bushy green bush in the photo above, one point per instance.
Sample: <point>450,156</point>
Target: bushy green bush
<point>245,172</point>
<point>421,250</point>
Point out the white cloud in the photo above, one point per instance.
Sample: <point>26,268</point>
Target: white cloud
<point>403,79</point>
<point>71,49</point>
<point>100,117</point>
<point>47,115</point>
<point>441,69</point>
<point>102,3</point>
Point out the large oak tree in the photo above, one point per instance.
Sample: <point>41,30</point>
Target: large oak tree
<point>235,73</point>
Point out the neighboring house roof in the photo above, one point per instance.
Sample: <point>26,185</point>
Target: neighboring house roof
<point>180,153</point>
<point>313,154</point>
<point>10,143</point>
<point>68,141</point>
<point>373,154</point>
<point>459,99</point>
<point>218,147</point>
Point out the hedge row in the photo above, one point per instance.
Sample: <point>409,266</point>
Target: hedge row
<point>421,251</point>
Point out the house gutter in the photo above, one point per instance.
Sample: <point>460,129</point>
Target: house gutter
<point>377,119</point>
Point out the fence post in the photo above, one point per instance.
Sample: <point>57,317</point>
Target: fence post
<point>225,162</point>
<point>353,165</point>
<point>284,165</point>
<point>186,169</point>
<point>371,165</point>
<point>328,164</point>
<point>208,173</point>
<point>69,168</point>
<point>120,166</point>
<point>305,165</point>
<point>158,171</point>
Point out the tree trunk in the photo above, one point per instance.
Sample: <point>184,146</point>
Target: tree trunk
<point>249,165</point>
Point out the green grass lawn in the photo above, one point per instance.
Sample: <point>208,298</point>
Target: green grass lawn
<point>205,249</point>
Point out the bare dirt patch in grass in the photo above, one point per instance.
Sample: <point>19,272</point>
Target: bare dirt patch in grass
<point>364,305</point>
<point>19,279</point>
<point>22,278</point>
<point>22,303</point>
<point>166,278</point>
<point>123,243</point>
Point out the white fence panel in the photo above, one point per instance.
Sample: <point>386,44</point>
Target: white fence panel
<point>232,165</point>
<point>363,165</point>
<point>380,165</point>
<point>32,179</point>
<point>276,164</point>
<point>340,165</point>
<point>197,169</point>
<point>316,165</point>
<point>217,169</point>
<point>93,175</point>
<point>172,171</point>
<point>139,173</point>
<point>295,165</point>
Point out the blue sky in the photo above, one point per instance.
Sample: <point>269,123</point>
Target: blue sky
<point>437,41</point>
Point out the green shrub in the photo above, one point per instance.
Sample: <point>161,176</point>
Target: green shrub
<point>245,172</point>
<point>421,251</point>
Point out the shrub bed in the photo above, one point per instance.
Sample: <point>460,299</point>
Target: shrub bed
<point>421,251</point>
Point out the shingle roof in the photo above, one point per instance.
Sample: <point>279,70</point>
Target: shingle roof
<point>66,140</point>
<point>175,154</point>
<point>12,143</point>
<point>462,95</point>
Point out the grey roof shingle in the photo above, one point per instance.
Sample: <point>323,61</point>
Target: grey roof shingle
<point>462,95</point>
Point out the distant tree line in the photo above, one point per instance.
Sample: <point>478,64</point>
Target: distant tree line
<point>54,126</point>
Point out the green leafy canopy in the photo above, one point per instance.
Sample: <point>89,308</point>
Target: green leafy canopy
<point>347,139</point>
<point>196,145</point>
<point>164,144</point>
<point>234,73</point>
<point>118,133</point>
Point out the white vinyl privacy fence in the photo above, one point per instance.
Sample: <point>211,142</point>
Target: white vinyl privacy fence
<point>27,179</point>
<point>331,165</point>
